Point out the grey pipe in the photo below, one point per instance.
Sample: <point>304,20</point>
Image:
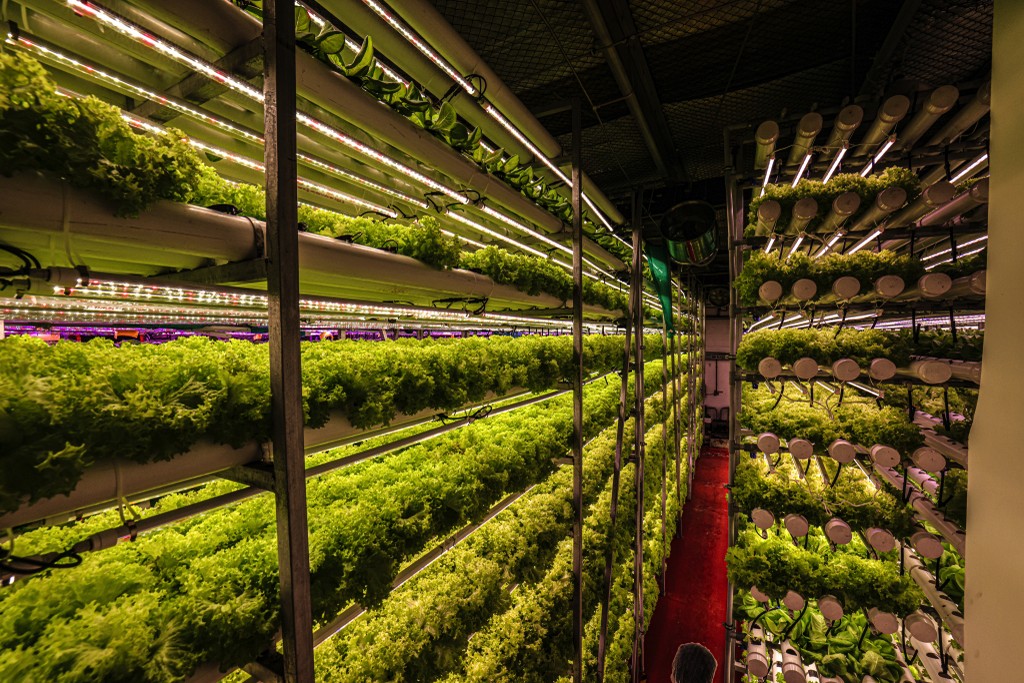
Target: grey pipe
<point>939,101</point>
<point>892,111</point>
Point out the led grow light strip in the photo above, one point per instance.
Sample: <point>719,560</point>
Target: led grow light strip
<point>427,51</point>
<point>835,162</point>
<point>959,256</point>
<point>126,28</point>
<point>949,250</point>
<point>227,80</point>
<point>803,167</point>
<point>246,162</point>
<point>184,108</point>
<point>771,243</point>
<point>967,171</point>
<point>831,243</point>
<point>796,244</point>
<point>864,242</point>
<point>767,174</point>
<point>878,157</point>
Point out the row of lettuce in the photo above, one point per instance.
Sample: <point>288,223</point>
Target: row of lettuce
<point>206,589</point>
<point>69,406</point>
<point>88,144</point>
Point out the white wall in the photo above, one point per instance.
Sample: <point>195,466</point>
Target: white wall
<point>995,555</point>
<point>716,336</point>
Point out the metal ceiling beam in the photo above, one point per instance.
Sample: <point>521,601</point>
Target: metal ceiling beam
<point>616,32</point>
<point>872,86</point>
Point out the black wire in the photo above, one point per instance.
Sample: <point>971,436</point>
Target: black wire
<point>25,566</point>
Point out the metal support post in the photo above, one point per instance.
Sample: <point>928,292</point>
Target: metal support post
<point>676,436</point>
<point>664,450</point>
<point>637,662</point>
<point>577,395</point>
<point>283,325</point>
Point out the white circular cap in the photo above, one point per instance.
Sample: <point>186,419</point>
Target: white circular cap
<point>979,281</point>
<point>757,594</point>
<point>842,451</point>
<point>933,371</point>
<point>846,287</point>
<point>793,673</point>
<point>846,203</point>
<point>921,626</point>
<point>845,370</point>
<point>894,108</point>
<point>805,368</point>
<point>939,193</point>
<point>770,291</point>
<point>882,369</point>
<point>769,368</point>
<point>757,664</point>
<point>769,211</point>
<point>891,198</point>
<point>830,607</point>
<point>926,544</point>
<point>881,540</point>
<point>768,443</point>
<point>889,286</point>
<point>942,99</point>
<point>934,285</point>
<point>838,531</point>
<point>767,132</point>
<point>804,289</point>
<point>794,601</point>
<point>805,209</point>
<point>849,117</point>
<point>885,456</point>
<point>796,525</point>
<point>810,124</point>
<point>763,519</point>
<point>929,459</point>
<point>884,622</point>
<point>801,449</point>
<point>979,191</point>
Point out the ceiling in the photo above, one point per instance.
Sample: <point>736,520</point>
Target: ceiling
<point>697,66</point>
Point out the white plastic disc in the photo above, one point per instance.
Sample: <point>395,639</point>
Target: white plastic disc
<point>769,368</point>
<point>768,443</point>
<point>830,607</point>
<point>842,451</point>
<point>885,456</point>
<point>845,370</point>
<point>801,449</point>
<point>805,368</point>
<point>882,369</point>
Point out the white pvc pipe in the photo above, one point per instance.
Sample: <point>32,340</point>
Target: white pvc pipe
<point>888,200</point>
<point>885,456</point>
<point>770,291</point>
<point>768,443</point>
<point>931,662</point>
<point>808,129</point>
<point>792,666</point>
<point>947,609</point>
<point>806,368</point>
<point>769,368</point>
<point>892,111</point>
<point>796,525</point>
<point>926,512</point>
<point>757,653</point>
<point>930,199</point>
<point>881,540</point>
<point>843,206</point>
<point>801,449</point>
<point>847,120</point>
<point>768,213</point>
<point>882,369</point>
<point>794,601</point>
<point>766,136</point>
<point>929,371</point>
<point>939,101</point>
<point>763,519</point>
<point>842,451</point>
<point>838,531</point>
<point>959,205</point>
<point>804,289</point>
<point>846,287</point>
<point>426,20</point>
<point>804,212</point>
<point>845,370</point>
<point>967,116</point>
<point>883,622</point>
<point>974,285</point>
<point>830,607</point>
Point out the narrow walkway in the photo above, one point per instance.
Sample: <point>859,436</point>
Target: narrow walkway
<point>693,606</point>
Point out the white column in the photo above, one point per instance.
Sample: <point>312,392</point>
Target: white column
<point>995,572</point>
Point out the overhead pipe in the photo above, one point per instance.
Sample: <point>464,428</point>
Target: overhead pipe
<point>766,136</point>
<point>847,121</point>
<point>804,211</point>
<point>892,111</point>
<point>808,129</point>
<point>887,201</point>
<point>939,101</point>
<point>40,213</point>
<point>843,206</point>
<point>959,205</point>
<point>967,116</point>
<point>428,22</point>
<point>930,198</point>
<point>399,51</point>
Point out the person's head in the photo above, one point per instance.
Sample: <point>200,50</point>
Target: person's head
<point>694,663</point>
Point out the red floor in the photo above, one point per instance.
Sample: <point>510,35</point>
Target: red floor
<point>693,606</point>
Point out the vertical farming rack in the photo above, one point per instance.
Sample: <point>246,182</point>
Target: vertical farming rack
<point>857,255</point>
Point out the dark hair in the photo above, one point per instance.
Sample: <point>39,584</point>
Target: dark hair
<point>694,663</point>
